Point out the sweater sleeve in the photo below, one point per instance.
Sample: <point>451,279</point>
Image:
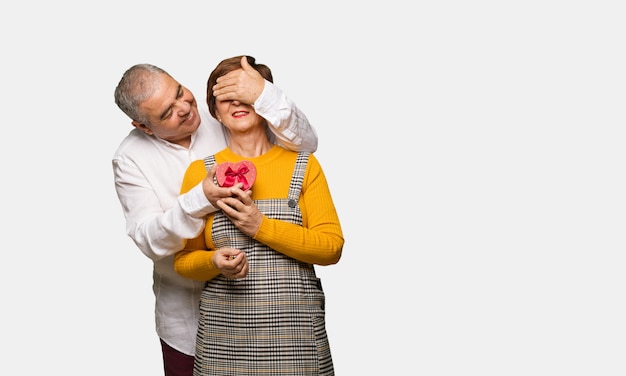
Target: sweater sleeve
<point>320,239</point>
<point>195,262</point>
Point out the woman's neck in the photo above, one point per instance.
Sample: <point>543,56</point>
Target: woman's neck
<point>249,145</point>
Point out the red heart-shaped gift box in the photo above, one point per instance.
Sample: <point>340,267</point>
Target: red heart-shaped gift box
<point>229,174</point>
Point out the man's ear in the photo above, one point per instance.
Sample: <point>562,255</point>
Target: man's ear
<point>142,127</point>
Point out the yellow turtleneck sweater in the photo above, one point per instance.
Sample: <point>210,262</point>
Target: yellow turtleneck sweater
<point>318,241</point>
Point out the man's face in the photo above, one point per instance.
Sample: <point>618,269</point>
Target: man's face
<point>172,111</point>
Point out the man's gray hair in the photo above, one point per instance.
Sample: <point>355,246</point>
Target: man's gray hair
<point>136,86</point>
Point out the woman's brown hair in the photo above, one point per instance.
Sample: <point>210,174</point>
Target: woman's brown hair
<point>227,66</point>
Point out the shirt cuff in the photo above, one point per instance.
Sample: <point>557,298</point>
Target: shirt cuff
<point>195,202</point>
<point>268,99</point>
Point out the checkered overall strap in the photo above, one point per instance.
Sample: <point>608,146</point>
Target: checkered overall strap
<point>297,178</point>
<point>208,163</point>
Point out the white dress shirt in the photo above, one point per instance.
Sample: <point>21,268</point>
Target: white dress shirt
<point>148,174</point>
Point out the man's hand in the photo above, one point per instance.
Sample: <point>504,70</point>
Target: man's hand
<point>244,85</point>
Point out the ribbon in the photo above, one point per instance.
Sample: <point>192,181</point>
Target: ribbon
<point>236,176</point>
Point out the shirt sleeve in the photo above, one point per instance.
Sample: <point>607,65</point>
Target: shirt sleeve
<point>157,233</point>
<point>289,126</point>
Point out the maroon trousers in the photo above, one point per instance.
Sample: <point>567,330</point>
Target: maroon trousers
<point>176,363</point>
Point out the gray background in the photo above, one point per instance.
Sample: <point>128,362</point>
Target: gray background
<point>475,152</point>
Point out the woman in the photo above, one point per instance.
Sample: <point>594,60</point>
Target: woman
<point>262,309</point>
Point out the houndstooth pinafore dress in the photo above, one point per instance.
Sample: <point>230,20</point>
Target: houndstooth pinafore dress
<point>272,322</point>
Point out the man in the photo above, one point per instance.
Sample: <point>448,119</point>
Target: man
<point>170,132</point>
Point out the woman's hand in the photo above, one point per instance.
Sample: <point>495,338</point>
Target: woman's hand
<point>242,211</point>
<point>231,262</point>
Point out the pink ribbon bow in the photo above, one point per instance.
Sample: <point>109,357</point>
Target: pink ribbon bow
<point>236,176</point>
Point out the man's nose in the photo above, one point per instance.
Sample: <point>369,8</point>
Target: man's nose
<point>183,106</point>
